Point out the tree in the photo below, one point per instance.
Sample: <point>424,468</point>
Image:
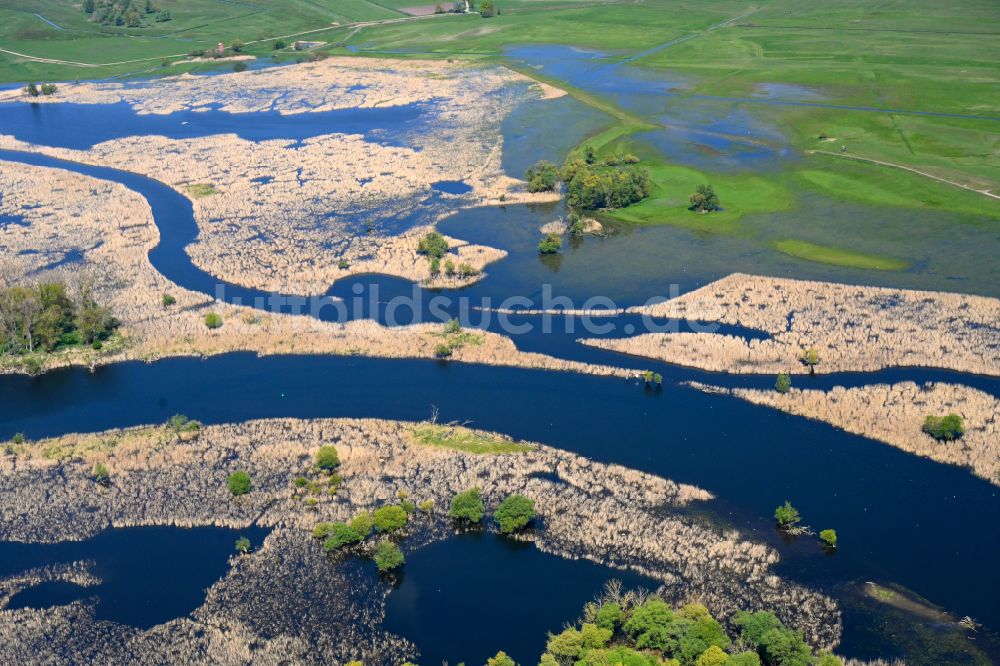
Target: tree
<point>589,155</point>
<point>713,656</point>
<point>514,513</point>
<point>704,199</point>
<point>467,506</point>
<point>213,320</point>
<point>828,659</point>
<point>101,473</point>
<point>341,534</point>
<point>363,523</point>
<point>327,458</point>
<point>609,616</point>
<point>944,428</point>
<point>487,9</point>
<point>501,659</point>
<point>743,659</point>
<point>787,515</point>
<point>388,556</point>
<point>279,44</point>
<point>753,626</point>
<point>442,350</point>
<point>783,384</point>
<point>810,358</point>
<point>550,244</point>
<point>652,626</point>
<point>180,424</point>
<point>236,46</point>
<point>243,545</point>
<point>239,483</point>
<point>433,245</point>
<point>542,176</point>
<point>31,89</point>
<point>390,518</point>
<point>829,538</point>
<point>322,530</point>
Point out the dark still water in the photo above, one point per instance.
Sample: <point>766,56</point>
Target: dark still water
<point>900,518</point>
<point>149,575</point>
<point>464,599</point>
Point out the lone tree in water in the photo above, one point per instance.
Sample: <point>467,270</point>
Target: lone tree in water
<point>944,428</point>
<point>787,516</point>
<point>388,556</point>
<point>704,199</point>
<point>550,244</point>
<point>243,545</point>
<point>783,384</point>
<point>829,538</point>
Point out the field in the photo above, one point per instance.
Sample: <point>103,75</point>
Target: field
<point>887,105</point>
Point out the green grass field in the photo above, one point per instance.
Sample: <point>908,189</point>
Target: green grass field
<point>838,256</point>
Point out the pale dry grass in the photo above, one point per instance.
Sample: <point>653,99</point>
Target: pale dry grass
<point>853,328</point>
<point>331,197</point>
<point>608,513</point>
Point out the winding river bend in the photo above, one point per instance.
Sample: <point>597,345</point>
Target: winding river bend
<point>901,519</point>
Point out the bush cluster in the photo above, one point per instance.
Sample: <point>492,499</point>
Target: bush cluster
<point>47,317</point>
<point>944,428</point>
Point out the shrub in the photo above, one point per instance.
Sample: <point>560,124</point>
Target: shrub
<point>468,506</point>
<point>239,483</point>
<point>783,384</point>
<point>408,506</point>
<point>542,176</point>
<point>501,659</point>
<point>343,264</point>
<point>18,438</point>
<point>236,46</point>
<point>551,244</point>
<point>341,534</point>
<point>388,556</point>
<point>829,538</point>
<point>48,89</point>
<point>243,545</point>
<point>101,473</point>
<point>31,90</point>
<point>433,245</point>
<point>300,482</point>
<point>390,518</point>
<point>179,424</point>
<point>828,659</point>
<point>487,9</point>
<point>327,458</point>
<point>787,515</point>
<point>944,428</point>
<point>435,267</point>
<point>322,530</point>
<point>514,513</point>
<point>810,357</point>
<point>449,267</point>
<point>213,320</point>
<point>427,506</point>
<point>363,523</point>
<point>279,44</point>
<point>442,350</point>
<point>168,300</point>
<point>704,199</point>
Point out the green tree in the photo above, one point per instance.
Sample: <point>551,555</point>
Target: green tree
<point>322,530</point>
<point>828,659</point>
<point>279,44</point>
<point>542,176</point>
<point>589,154</point>
<point>828,537</point>
<point>652,626</point>
<point>101,473</point>
<point>787,515</point>
<point>753,626</point>
<point>944,428</point>
<point>433,245</point>
<point>32,90</point>
<point>243,545</point>
<point>390,518</point>
<point>744,659</point>
<point>783,384</point>
<point>810,358</point>
<point>704,199</point>
<point>341,534</point>
<point>500,659</point>
<point>713,656</point>
<point>363,523</point>
<point>609,616</point>
<point>239,483</point>
<point>327,458</point>
<point>487,9</point>
<point>467,505</point>
<point>388,556</point>
<point>514,513</point>
<point>551,244</point>
<point>442,350</point>
<point>213,320</point>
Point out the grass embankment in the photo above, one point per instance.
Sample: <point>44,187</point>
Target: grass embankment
<point>465,440</point>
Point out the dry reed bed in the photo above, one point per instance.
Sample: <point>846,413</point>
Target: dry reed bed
<point>894,414</point>
<point>286,591</point>
<point>332,198</point>
<point>113,227</point>
<point>854,328</point>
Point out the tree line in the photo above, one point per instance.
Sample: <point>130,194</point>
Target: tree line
<point>48,316</point>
